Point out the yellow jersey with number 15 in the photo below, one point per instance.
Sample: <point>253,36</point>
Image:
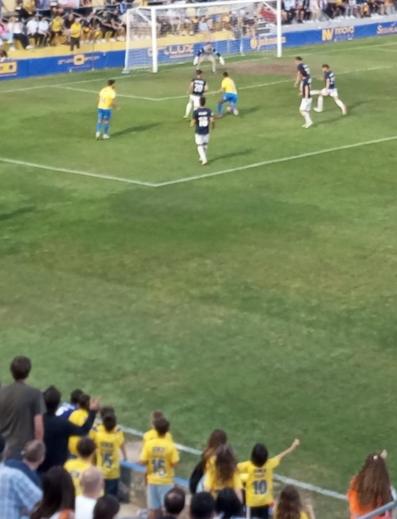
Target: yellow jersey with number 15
<point>106,97</point>
<point>108,445</point>
<point>159,455</point>
<point>258,482</point>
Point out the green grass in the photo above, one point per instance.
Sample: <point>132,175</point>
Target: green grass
<point>262,301</point>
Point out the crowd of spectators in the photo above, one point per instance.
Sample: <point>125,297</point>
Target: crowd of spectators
<point>62,461</point>
<point>34,25</point>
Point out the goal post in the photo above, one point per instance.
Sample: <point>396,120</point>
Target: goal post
<point>175,33</point>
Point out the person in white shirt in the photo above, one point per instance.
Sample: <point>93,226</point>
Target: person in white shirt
<point>32,29</point>
<point>92,488</point>
<point>43,31</point>
<point>16,28</point>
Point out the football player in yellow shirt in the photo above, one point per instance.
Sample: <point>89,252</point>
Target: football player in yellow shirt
<point>78,417</point>
<point>76,466</point>
<point>224,474</point>
<point>152,434</point>
<point>258,476</point>
<point>160,457</point>
<point>106,102</point>
<point>109,440</point>
<point>229,95</point>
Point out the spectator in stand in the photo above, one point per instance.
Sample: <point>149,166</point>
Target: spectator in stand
<point>32,29</point>
<point>289,506</point>
<point>228,505</point>
<point>202,506</point>
<point>67,408</point>
<point>206,465</point>
<point>160,457</point>
<point>32,457</point>
<point>17,29</point>
<point>75,34</point>
<point>174,503</point>
<point>371,487</point>
<point>258,477</point>
<point>225,474</point>
<point>18,495</point>
<point>21,409</point>
<point>58,496</point>
<point>44,31</point>
<point>57,431</point>
<point>78,417</point>
<point>76,466</point>
<point>56,29</point>
<point>109,440</point>
<point>92,490</point>
<point>107,507</point>
<point>152,433</point>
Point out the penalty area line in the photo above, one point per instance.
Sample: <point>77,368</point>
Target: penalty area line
<point>56,169</point>
<point>275,161</point>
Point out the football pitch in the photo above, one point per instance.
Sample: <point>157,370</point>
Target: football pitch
<point>257,294</point>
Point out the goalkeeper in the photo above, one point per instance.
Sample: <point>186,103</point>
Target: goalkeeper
<point>208,53</point>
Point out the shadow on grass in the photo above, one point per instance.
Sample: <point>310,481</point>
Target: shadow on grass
<point>135,129</point>
<point>248,111</point>
<point>17,212</point>
<point>240,153</point>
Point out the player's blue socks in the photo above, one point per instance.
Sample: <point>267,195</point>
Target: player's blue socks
<point>99,127</point>
<point>106,127</point>
<point>219,108</point>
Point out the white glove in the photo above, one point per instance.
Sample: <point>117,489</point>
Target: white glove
<point>196,60</point>
<point>221,60</point>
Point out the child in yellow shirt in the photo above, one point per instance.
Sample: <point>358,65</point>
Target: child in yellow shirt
<point>76,466</point>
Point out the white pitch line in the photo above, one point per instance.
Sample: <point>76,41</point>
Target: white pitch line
<point>129,96</point>
<point>283,479</point>
<point>6,160</point>
<point>275,161</point>
<point>55,85</point>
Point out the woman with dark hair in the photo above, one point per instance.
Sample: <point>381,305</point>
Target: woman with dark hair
<point>107,507</point>
<point>289,505</point>
<point>206,465</point>
<point>225,473</point>
<point>228,505</point>
<point>371,487</point>
<point>58,496</point>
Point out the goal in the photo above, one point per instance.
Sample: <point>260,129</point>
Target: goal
<point>175,33</point>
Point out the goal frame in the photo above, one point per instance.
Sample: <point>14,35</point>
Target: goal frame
<point>152,21</point>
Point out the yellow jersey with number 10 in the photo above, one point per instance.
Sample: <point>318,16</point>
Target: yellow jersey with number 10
<point>106,97</point>
<point>258,482</point>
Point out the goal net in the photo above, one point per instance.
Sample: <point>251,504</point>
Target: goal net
<point>179,32</point>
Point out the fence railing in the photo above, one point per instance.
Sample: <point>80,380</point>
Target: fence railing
<point>380,511</point>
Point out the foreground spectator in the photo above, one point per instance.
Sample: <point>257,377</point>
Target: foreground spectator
<point>18,495</point>
<point>85,457</point>
<point>21,409</point>
<point>152,433</point>
<point>289,505</point>
<point>58,496</point>
<point>78,417</point>
<point>217,438</point>
<point>258,476</point>
<point>160,456</point>
<point>202,506</point>
<point>371,487</point>
<point>225,474</point>
<point>174,503</point>
<point>32,457</point>
<point>57,431</point>
<point>107,507</point>
<point>228,505</point>
<point>109,439</point>
<point>92,489</point>
<point>67,408</point>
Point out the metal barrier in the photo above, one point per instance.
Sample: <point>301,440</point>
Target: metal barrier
<point>380,511</point>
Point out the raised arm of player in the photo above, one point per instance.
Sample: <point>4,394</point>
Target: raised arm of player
<point>298,79</point>
<point>294,445</point>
